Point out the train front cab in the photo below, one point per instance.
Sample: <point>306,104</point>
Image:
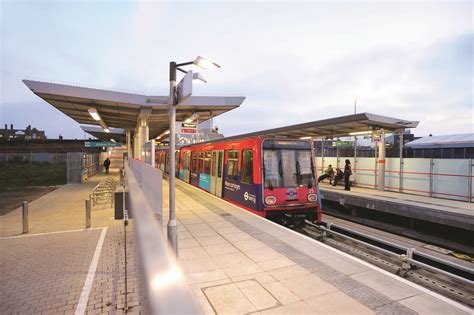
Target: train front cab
<point>289,185</point>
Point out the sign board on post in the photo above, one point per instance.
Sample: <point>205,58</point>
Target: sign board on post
<point>100,144</point>
<point>185,87</point>
<point>186,128</point>
<point>376,138</point>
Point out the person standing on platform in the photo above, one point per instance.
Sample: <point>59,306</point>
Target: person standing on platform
<point>347,175</point>
<point>107,165</point>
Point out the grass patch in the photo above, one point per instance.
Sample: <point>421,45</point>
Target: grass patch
<point>16,175</point>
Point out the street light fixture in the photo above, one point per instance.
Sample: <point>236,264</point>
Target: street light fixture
<point>205,63</point>
<point>172,227</point>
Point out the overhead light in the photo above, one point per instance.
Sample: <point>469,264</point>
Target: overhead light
<point>166,132</point>
<point>198,78</point>
<point>305,138</point>
<point>93,112</point>
<point>107,130</point>
<point>360,133</point>
<point>205,64</point>
<point>113,140</point>
<point>188,120</point>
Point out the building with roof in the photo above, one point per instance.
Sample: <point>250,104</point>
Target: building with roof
<point>458,146</point>
<point>8,134</point>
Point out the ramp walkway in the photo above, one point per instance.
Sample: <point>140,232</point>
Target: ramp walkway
<point>236,262</point>
<point>60,267</point>
<point>454,213</point>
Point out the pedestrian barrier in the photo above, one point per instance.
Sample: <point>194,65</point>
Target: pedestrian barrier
<point>104,192</point>
<point>163,287</point>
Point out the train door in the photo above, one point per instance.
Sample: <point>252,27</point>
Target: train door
<point>214,172</point>
<point>219,173</point>
<point>187,157</point>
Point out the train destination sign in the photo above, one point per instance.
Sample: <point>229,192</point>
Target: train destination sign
<point>99,144</point>
<point>186,128</point>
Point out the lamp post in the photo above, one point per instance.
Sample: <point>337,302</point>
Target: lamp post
<point>205,64</point>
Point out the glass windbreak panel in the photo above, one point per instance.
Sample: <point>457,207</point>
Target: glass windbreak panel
<point>232,164</point>
<point>247,167</point>
<point>219,165</point>
<point>207,163</point>
<point>271,167</point>
<point>201,159</point>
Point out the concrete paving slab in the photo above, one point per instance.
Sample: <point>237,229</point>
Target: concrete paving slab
<point>385,285</point>
<point>425,304</point>
<point>337,303</point>
<point>228,299</point>
<point>293,269</point>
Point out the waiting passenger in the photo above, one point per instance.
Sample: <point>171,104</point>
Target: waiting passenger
<point>339,176</point>
<point>347,175</point>
<point>107,165</point>
<point>329,173</point>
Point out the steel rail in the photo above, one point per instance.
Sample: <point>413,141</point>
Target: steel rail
<point>462,273</point>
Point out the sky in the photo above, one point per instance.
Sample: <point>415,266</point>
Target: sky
<point>293,61</point>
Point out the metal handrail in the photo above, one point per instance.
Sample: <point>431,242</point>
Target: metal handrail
<point>163,283</point>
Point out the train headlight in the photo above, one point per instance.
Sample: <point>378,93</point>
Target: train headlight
<point>312,198</point>
<point>270,200</point>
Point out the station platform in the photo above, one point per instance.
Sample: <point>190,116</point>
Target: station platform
<point>60,267</point>
<point>453,213</point>
<point>234,262</point>
<point>237,262</point>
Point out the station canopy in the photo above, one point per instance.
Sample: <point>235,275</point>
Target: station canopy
<point>338,127</point>
<point>124,110</point>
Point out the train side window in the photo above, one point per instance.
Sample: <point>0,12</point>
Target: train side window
<point>201,160</point>
<point>247,167</point>
<point>207,163</point>
<point>193,162</point>
<point>232,164</point>
<point>219,164</point>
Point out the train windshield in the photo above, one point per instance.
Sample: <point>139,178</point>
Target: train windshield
<point>287,164</point>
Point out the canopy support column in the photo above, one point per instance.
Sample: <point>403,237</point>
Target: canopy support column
<point>381,162</point>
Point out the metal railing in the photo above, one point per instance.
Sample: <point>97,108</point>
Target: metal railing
<point>104,192</point>
<point>163,288</point>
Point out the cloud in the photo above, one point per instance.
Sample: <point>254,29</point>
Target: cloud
<point>426,84</point>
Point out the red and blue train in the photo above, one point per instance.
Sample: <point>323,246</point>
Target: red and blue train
<point>271,177</point>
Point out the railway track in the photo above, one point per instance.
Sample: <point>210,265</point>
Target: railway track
<point>445,277</point>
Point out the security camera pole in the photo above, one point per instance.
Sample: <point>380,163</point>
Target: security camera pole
<point>176,96</point>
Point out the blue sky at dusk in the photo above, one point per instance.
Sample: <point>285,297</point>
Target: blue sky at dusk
<point>294,61</point>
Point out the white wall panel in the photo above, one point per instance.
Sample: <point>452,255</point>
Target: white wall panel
<point>416,178</point>
<point>451,180</point>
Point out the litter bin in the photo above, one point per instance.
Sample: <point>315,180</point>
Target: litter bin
<point>118,202</point>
